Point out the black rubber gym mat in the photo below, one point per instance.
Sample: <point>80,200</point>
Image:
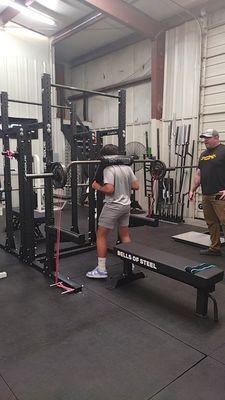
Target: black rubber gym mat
<point>77,266</point>
<point>163,302</point>
<point>7,260</point>
<point>219,354</point>
<point>5,392</point>
<point>161,238</point>
<point>205,381</point>
<point>169,305</point>
<point>81,346</point>
<point>102,355</point>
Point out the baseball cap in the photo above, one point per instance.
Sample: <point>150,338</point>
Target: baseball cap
<point>209,133</point>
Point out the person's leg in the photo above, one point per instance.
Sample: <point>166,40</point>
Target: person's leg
<point>102,234</point>
<point>123,223</point>
<point>219,207</point>
<point>213,223</point>
<point>124,234</point>
<point>100,271</point>
<point>106,224</point>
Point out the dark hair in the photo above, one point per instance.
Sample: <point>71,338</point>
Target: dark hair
<point>109,150</point>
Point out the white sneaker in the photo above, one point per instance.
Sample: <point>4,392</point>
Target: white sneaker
<point>96,273</point>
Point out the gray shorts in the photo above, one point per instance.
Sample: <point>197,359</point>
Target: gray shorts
<point>113,213</point>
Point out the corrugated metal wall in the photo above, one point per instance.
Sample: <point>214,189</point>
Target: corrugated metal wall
<point>24,57</point>
<point>213,75</point>
<point>213,81</point>
<point>120,66</point>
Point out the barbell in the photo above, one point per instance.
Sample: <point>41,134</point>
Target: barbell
<point>59,173</point>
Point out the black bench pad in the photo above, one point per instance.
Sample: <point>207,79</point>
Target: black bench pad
<point>170,265</point>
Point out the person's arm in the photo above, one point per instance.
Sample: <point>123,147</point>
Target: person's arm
<point>134,181</point>
<point>222,194</point>
<point>196,184</point>
<point>135,185</point>
<point>108,178</point>
<point>107,188</point>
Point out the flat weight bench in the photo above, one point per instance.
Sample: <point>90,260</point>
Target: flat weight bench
<point>173,267</point>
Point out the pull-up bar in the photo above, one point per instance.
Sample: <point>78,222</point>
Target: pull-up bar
<point>32,103</point>
<point>56,85</point>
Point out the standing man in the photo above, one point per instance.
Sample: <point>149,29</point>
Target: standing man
<point>210,175</point>
<point>118,181</point>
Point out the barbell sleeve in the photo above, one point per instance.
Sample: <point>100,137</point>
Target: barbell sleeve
<point>84,162</point>
<point>44,175</point>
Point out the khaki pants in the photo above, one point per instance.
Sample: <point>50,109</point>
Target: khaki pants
<point>214,213</point>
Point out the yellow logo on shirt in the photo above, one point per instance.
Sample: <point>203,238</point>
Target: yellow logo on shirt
<point>209,157</point>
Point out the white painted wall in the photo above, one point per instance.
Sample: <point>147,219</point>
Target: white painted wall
<point>24,57</point>
<point>129,62</point>
<point>194,90</point>
<point>181,78</point>
<point>181,89</point>
<point>120,66</point>
<point>126,64</point>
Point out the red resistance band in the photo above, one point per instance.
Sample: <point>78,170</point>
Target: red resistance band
<point>9,154</point>
<point>60,285</point>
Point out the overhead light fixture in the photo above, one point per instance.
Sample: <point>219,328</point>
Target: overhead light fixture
<point>28,12</point>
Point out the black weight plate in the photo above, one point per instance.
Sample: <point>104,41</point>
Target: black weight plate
<point>59,175</point>
<point>158,169</point>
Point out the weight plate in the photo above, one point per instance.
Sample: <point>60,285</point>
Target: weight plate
<point>59,175</point>
<point>158,169</point>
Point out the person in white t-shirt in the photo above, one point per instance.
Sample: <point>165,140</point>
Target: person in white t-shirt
<point>118,182</point>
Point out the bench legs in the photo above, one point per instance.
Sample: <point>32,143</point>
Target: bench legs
<point>202,295</point>
<point>202,304</point>
<point>128,275</point>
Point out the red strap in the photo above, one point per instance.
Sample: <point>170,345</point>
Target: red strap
<point>59,284</point>
<point>10,154</point>
<point>58,227</point>
<point>66,288</point>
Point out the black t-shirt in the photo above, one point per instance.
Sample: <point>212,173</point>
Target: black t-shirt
<point>212,167</point>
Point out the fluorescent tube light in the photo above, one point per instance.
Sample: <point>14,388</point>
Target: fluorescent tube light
<point>28,12</point>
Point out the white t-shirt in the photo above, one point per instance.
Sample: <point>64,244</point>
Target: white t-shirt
<point>121,177</point>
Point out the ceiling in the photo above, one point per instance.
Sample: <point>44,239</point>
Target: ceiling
<point>87,29</point>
